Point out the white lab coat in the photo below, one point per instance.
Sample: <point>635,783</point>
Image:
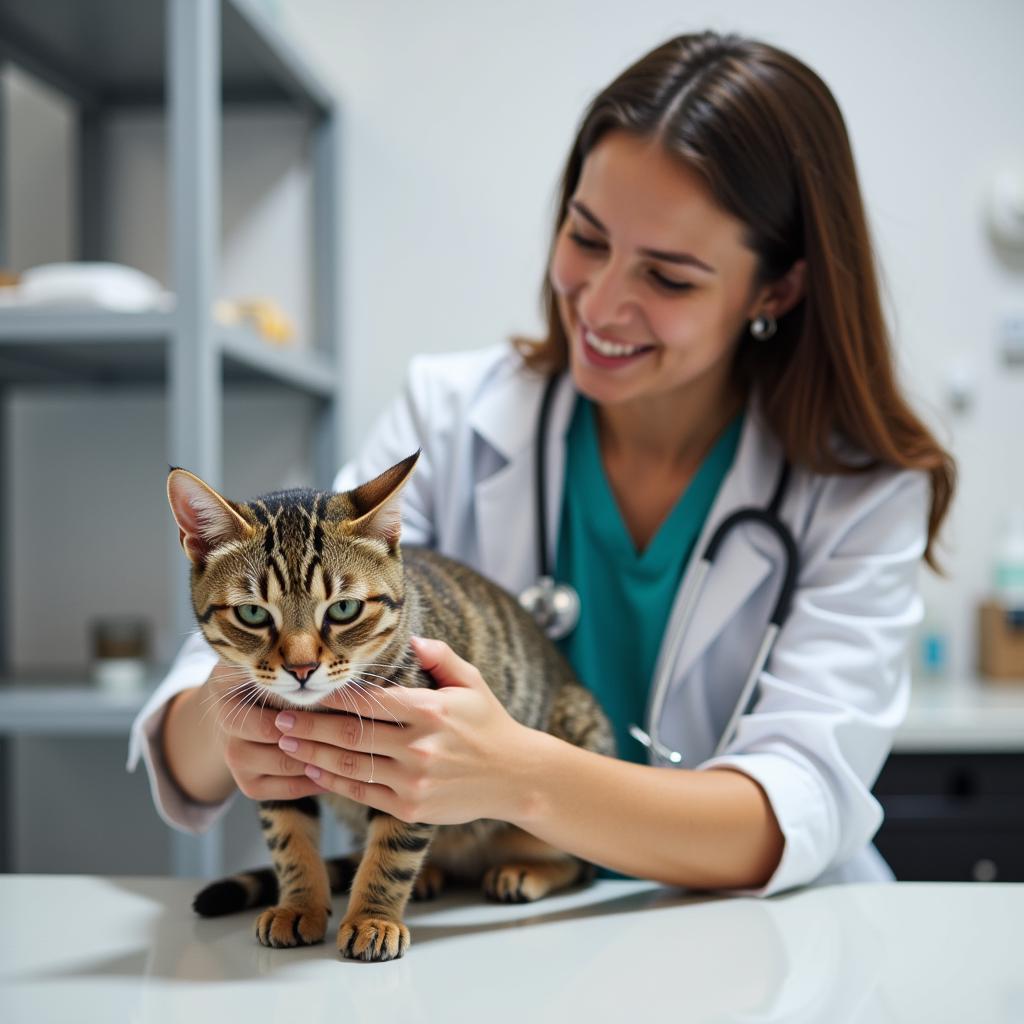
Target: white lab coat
<point>837,682</point>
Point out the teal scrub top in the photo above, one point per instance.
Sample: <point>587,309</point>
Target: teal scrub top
<point>626,595</point>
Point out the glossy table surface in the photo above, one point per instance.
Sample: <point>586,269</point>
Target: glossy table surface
<point>78,948</point>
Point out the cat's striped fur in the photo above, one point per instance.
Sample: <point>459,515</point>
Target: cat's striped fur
<point>301,555</point>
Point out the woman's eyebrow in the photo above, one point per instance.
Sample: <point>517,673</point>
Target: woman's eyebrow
<point>657,254</point>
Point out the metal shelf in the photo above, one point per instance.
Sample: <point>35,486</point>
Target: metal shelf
<point>93,347</point>
<point>246,357</point>
<point>112,52</point>
<point>190,58</point>
<point>50,707</point>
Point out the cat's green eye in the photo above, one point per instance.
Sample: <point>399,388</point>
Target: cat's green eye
<point>345,610</point>
<point>252,615</point>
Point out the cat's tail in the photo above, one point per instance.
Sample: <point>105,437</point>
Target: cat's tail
<point>258,888</point>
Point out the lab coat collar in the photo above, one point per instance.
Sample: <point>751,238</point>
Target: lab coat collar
<point>507,407</point>
<point>504,501</point>
<point>743,562</point>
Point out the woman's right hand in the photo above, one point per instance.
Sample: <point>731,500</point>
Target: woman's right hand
<point>217,738</point>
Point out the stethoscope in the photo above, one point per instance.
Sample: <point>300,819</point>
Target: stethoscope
<point>556,606</point>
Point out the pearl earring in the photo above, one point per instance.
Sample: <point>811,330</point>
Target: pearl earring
<point>763,326</point>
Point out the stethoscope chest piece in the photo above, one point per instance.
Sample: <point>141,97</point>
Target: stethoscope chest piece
<point>555,607</point>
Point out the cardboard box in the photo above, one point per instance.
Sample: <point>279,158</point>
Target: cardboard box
<point>1000,643</point>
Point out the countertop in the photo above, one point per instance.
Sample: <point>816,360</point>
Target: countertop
<point>129,949</point>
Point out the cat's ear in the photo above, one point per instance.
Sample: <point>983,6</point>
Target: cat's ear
<point>205,519</point>
<point>378,505</point>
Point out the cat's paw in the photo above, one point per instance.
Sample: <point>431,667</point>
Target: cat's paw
<point>429,883</point>
<point>516,883</point>
<point>365,937</point>
<point>292,926</point>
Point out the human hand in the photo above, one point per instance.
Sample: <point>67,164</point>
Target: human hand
<point>247,738</point>
<point>441,757</point>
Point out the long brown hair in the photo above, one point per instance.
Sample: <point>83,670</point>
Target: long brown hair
<point>768,138</point>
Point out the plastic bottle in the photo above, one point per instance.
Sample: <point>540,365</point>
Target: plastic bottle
<point>932,650</point>
<point>1009,568</point>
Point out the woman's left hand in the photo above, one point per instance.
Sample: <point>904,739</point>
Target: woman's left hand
<point>441,757</point>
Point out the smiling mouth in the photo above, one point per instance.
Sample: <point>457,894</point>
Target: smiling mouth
<point>610,353</point>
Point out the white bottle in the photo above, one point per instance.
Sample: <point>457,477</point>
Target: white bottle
<point>1009,565</point>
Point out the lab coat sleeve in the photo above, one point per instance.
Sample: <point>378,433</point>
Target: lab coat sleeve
<point>837,683</point>
<point>193,665</point>
<point>398,433</point>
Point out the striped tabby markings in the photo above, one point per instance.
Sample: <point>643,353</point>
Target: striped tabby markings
<point>291,829</point>
<point>205,616</point>
<point>315,540</point>
<point>272,548</point>
<point>429,883</point>
<point>373,928</point>
<point>528,868</point>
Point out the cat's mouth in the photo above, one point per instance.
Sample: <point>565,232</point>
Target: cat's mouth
<point>289,692</point>
<point>305,696</point>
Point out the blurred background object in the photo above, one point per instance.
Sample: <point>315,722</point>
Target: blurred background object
<point>120,653</point>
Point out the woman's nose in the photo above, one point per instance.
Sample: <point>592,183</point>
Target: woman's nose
<point>605,298</point>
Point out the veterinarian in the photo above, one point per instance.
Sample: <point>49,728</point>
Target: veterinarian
<point>713,315</point>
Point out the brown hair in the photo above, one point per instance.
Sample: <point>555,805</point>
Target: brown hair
<point>768,138</point>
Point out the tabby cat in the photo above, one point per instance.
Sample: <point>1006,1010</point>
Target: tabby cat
<point>303,582</point>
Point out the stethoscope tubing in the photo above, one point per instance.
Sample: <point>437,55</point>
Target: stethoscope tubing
<point>768,517</point>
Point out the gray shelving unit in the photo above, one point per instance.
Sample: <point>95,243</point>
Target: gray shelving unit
<point>190,58</point>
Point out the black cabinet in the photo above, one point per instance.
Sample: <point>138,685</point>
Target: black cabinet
<point>953,817</point>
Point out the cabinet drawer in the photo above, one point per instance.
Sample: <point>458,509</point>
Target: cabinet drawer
<point>958,776</point>
<point>943,854</point>
<point>953,817</point>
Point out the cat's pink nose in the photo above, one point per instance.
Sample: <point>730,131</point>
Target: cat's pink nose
<point>302,672</point>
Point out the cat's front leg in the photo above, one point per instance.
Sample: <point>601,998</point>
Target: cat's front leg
<point>292,831</point>
<point>373,927</point>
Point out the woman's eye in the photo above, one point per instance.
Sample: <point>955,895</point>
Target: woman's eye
<point>664,282</point>
<point>345,610</point>
<point>586,243</point>
<point>675,286</point>
<point>252,615</point>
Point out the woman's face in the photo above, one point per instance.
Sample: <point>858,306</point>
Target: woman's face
<point>653,281</point>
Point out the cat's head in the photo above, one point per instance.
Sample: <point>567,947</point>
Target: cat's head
<point>302,588</point>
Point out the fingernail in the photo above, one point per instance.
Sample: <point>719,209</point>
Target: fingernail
<point>287,743</point>
<point>312,771</point>
<point>284,720</point>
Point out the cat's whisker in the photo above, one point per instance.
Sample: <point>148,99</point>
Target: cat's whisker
<point>241,706</point>
<point>251,704</point>
<point>343,692</point>
<point>227,697</point>
<point>240,679</point>
<point>387,679</point>
<point>373,726</point>
<point>397,665</point>
<point>247,705</point>
<point>395,688</point>
<point>359,683</point>
<point>232,691</point>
